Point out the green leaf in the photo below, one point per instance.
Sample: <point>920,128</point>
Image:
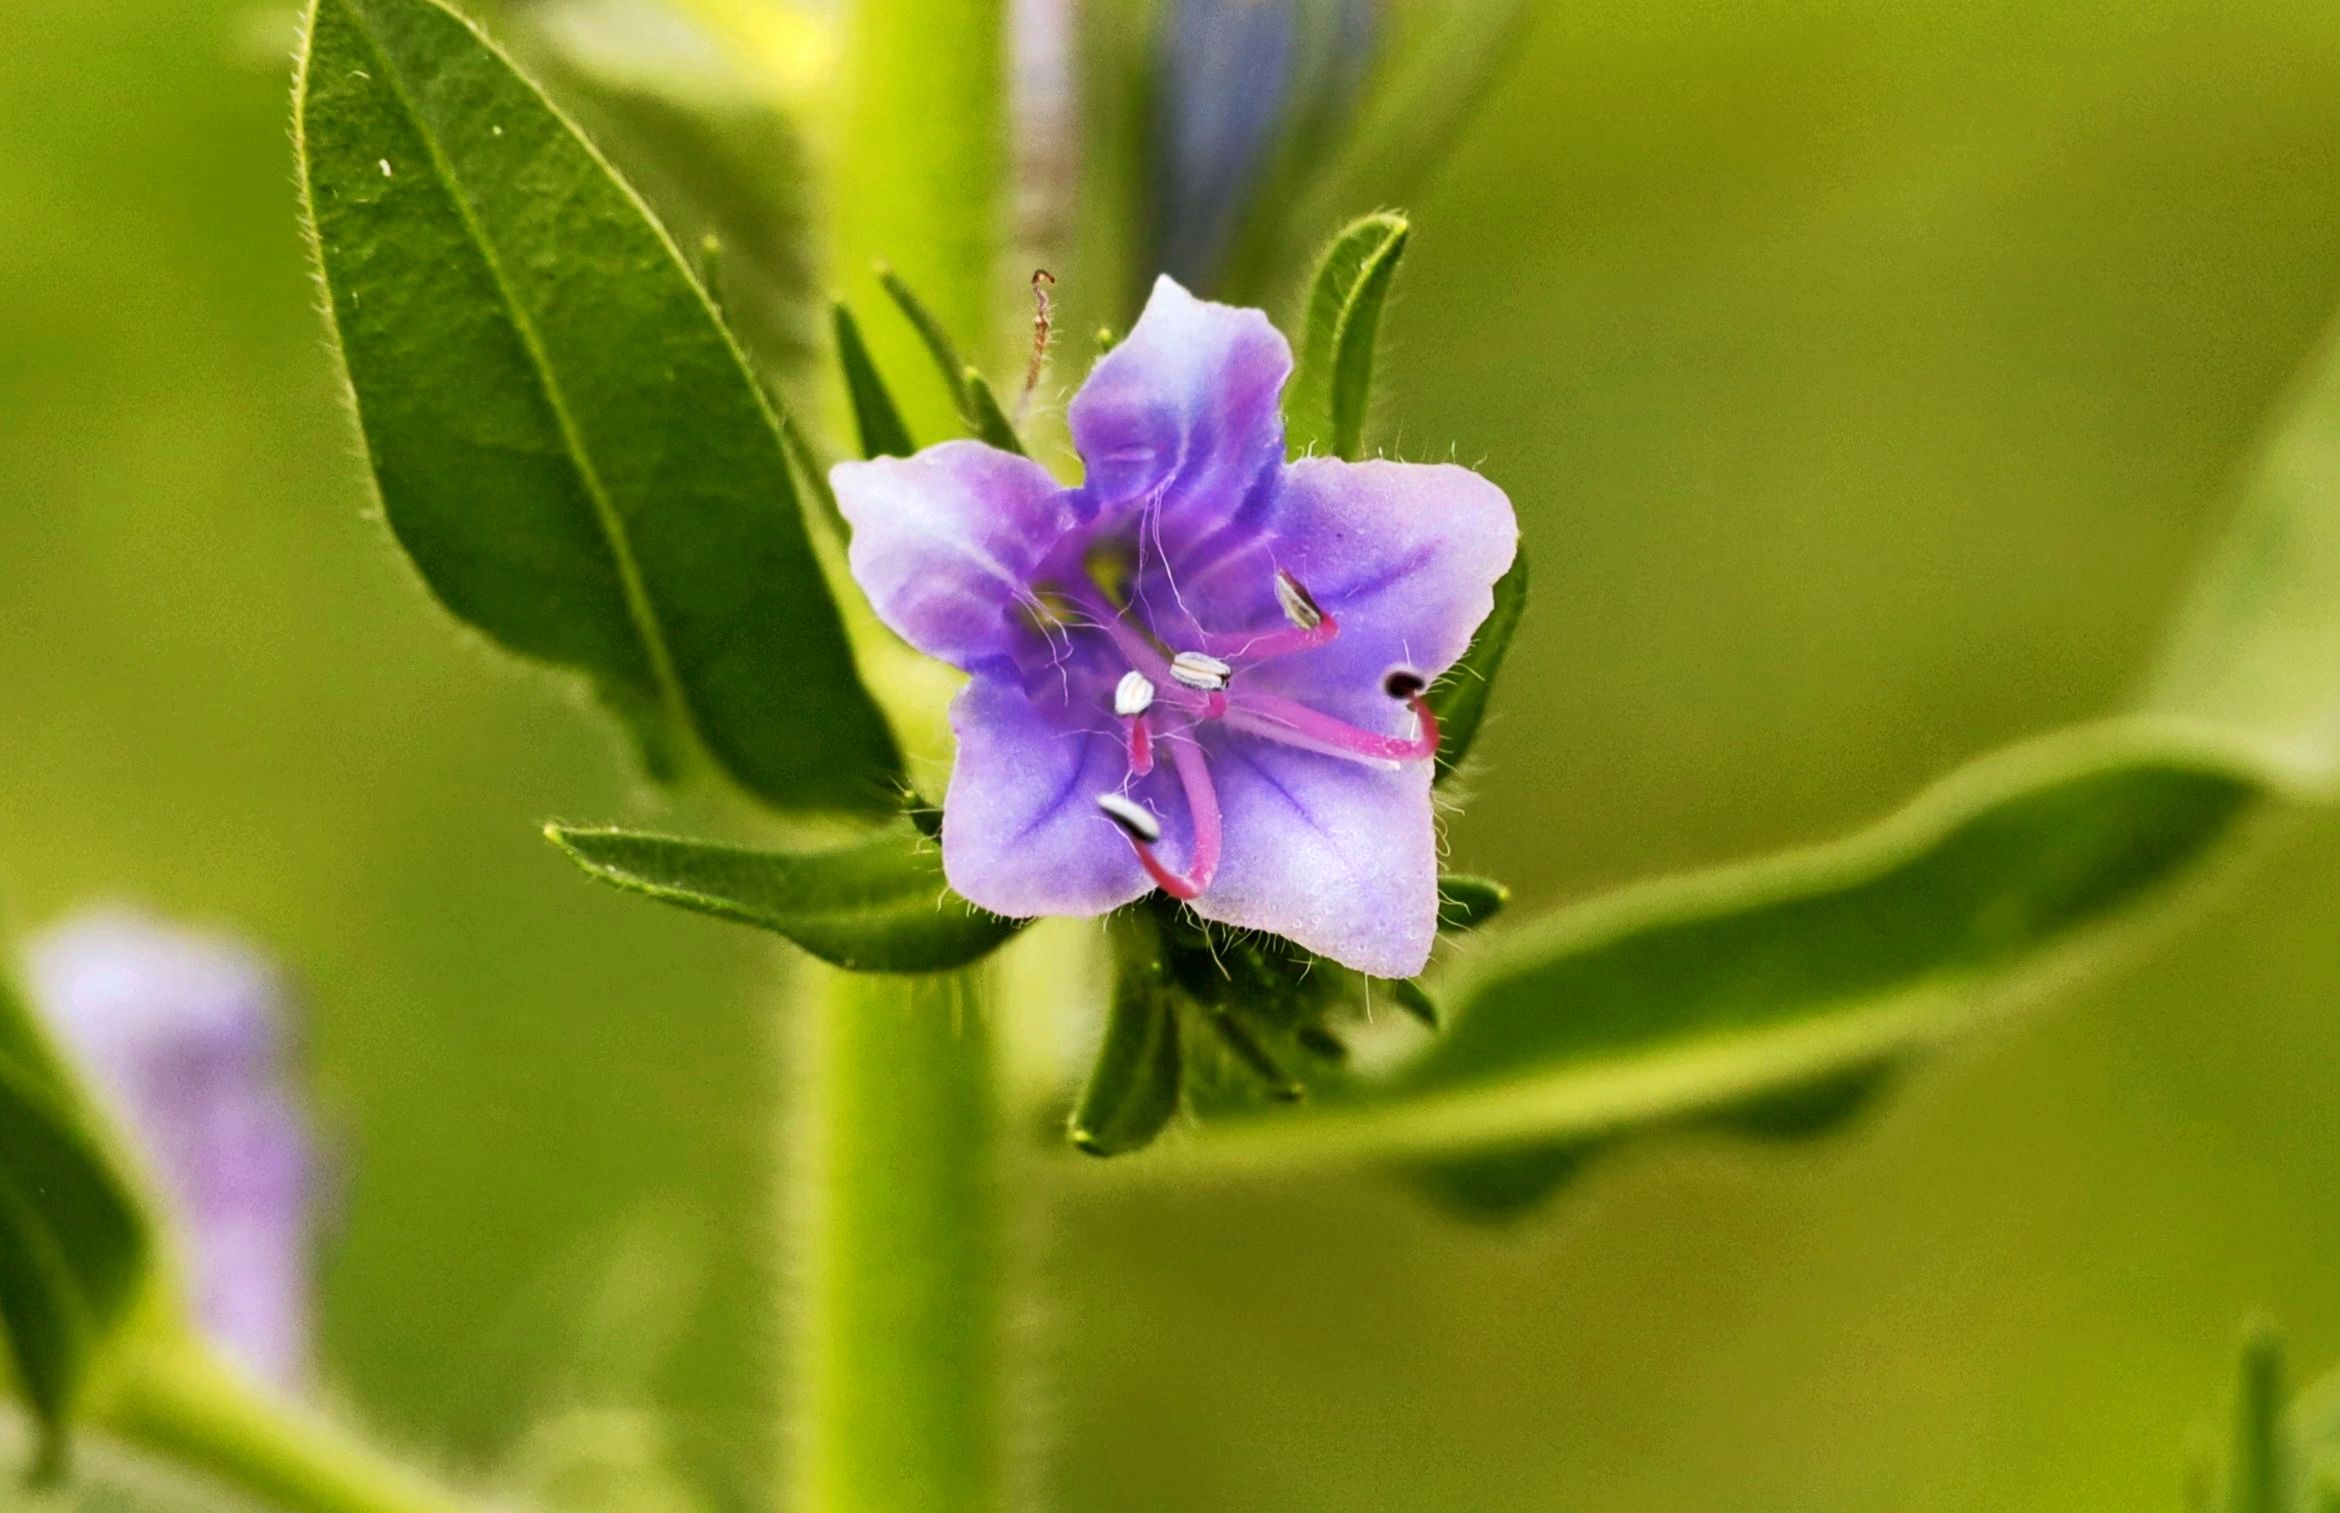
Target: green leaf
<point>1460,699</point>
<point>1333,387</point>
<point>876,904</point>
<point>931,335</point>
<point>566,441</point>
<point>1465,903</point>
<point>876,419</point>
<point>989,422</point>
<point>1133,1088</point>
<point>74,1245</point>
<point>1695,997</point>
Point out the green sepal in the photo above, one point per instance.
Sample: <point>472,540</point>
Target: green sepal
<point>1332,388</point>
<point>75,1245</point>
<point>1459,699</point>
<point>566,440</point>
<point>985,418</point>
<point>875,904</point>
<point>877,420</point>
<point>1133,1089</point>
<point>933,337</point>
<point>1465,903</point>
<point>1409,995</point>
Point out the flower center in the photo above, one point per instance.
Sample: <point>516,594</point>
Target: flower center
<point>1167,693</point>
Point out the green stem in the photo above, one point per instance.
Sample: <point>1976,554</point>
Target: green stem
<point>921,169</point>
<point>893,1181</point>
<point>175,1402</point>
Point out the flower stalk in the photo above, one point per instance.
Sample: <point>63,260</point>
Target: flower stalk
<point>170,1397</point>
<point>895,1320</point>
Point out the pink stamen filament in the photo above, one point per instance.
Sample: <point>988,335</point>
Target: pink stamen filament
<point>1141,745</point>
<point>1202,805</point>
<point>1139,651</point>
<point>1271,644</point>
<point>1295,724</point>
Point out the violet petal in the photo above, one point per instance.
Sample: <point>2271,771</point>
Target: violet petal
<point>1022,834</point>
<point>1184,413</point>
<point>1339,857</point>
<point>945,544</point>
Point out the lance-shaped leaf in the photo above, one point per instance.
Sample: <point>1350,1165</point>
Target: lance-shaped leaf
<point>931,334</point>
<point>566,441</point>
<point>1693,997</point>
<point>876,904</point>
<point>877,420</point>
<point>1777,996</point>
<point>1332,388</point>
<point>73,1241</point>
<point>1460,699</point>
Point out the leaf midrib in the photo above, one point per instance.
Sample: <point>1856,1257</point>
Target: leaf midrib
<point>639,607</point>
<point>893,901</point>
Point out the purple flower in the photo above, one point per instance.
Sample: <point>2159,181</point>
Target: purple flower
<point>182,1035</point>
<point>1202,669</point>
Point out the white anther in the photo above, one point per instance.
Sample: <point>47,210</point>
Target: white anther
<point>1136,821</point>
<point>1402,682</point>
<point>1133,695</point>
<point>1298,607</point>
<point>1201,671</point>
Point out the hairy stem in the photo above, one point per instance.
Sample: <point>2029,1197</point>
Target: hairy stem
<point>173,1400</point>
<point>896,1318</point>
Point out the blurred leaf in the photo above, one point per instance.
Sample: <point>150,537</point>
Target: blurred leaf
<point>877,904</point>
<point>1437,66</point>
<point>1355,144</point>
<point>73,1241</point>
<point>2278,1451</point>
<point>566,441</point>
<point>1460,699</point>
<point>1415,999</point>
<point>876,418</point>
<point>1333,387</point>
<point>1465,903</point>
<point>2255,1471</point>
<point>1133,1088</point>
<point>707,144</point>
<point>1776,996</point>
<point>1696,996</point>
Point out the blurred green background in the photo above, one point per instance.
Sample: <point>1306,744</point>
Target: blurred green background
<point>1865,374</point>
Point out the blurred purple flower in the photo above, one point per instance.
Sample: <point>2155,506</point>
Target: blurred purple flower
<point>1201,650</point>
<point>183,1036</point>
<point>1238,79</point>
